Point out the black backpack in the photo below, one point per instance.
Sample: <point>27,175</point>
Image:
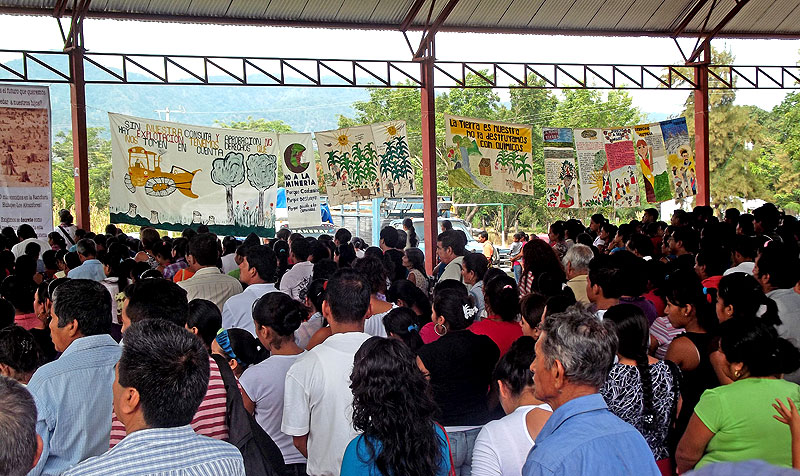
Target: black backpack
<point>261,455</point>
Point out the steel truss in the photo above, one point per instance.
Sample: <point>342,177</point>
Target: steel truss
<point>119,68</point>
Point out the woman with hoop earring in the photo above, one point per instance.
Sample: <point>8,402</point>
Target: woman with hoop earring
<point>459,365</point>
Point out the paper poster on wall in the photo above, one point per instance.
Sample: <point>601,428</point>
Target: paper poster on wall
<point>349,164</point>
<point>394,159</point>
<point>561,177</point>
<point>300,180</point>
<point>652,158</point>
<point>622,166</point>
<point>25,192</point>
<point>595,178</point>
<point>170,176</point>
<point>488,155</point>
<point>680,159</point>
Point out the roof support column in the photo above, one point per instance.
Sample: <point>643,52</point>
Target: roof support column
<point>701,129</point>
<point>429,192</point>
<point>80,153</point>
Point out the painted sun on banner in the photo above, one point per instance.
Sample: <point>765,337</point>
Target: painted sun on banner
<point>680,158</point>
<point>488,155</point>
<point>170,176</point>
<point>561,176</point>
<point>394,159</point>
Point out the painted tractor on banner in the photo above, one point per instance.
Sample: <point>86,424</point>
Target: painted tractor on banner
<point>144,170</point>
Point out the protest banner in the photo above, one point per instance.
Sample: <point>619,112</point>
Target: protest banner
<point>349,164</point>
<point>652,157</point>
<point>595,178</point>
<point>622,166</point>
<point>25,184</point>
<point>680,159</point>
<point>394,162</point>
<point>561,177</point>
<point>300,180</point>
<point>488,155</point>
<point>225,178</point>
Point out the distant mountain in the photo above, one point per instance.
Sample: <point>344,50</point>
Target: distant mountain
<point>306,109</point>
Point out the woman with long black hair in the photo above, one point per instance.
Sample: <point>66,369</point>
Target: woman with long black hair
<point>393,407</point>
<point>411,234</point>
<point>640,389</point>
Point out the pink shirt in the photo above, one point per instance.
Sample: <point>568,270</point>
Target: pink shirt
<point>27,321</point>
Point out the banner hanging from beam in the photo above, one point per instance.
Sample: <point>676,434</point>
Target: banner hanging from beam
<point>25,184</point>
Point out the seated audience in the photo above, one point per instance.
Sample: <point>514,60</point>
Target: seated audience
<point>160,380</point>
<point>257,271</point>
<point>317,397</point>
<point>733,422</point>
<point>502,309</point>
<point>502,445</point>
<point>74,393</point>
<point>459,365</point>
<point>208,282</point>
<point>20,446</point>
<point>277,316</point>
<point>582,436</point>
<point>640,389</point>
<point>392,412</point>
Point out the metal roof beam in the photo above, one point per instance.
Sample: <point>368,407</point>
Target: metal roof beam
<point>707,40</point>
<point>427,39</point>
<point>688,18</point>
<point>412,14</point>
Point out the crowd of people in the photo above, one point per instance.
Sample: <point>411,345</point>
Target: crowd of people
<point>648,348</point>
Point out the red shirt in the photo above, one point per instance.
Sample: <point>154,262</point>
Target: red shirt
<point>502,333</point>
<point>210,419</point>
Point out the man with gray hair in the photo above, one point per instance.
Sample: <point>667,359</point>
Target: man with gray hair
<point>573,355</point>
<point>576,264</point>
<point>91,267</point>
<point>20,446</point>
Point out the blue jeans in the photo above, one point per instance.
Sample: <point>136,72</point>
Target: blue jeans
<point>517,271</point>
<point>461,445</point>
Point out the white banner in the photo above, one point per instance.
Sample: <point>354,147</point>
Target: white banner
<point>300,177</point>
<point>170,176</point>
<point>25,192</point>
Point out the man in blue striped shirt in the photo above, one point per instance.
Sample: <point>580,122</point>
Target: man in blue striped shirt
<point>160,381</point>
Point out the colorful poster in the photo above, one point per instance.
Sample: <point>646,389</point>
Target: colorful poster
<point>170,176</point>
<point>349,164</point>
<point>595,178</point>
<point>652,158</point>
<point>561,177</point>
<point>394,163</point>
<point>680,158</point>
<point>25,192</point>
<point>300,180</point>
<point>622,166</point>
<point>488,155</point>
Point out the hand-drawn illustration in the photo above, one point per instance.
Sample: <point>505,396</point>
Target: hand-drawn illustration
<point>595,178</point>
<point>622,166</point>
<point>228,172</point>
<point>652,158</point>
<point>300,180</point>
<point>262,174</point>
<point>349,164</point>
<point>144,170</point>
<point>680,159</point>
<point>396,169</point>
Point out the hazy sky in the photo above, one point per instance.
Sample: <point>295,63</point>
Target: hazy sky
<point>41,33</point>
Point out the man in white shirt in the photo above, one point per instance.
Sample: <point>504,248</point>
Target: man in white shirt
<point>208,282</point>
<point>26,234</point>
<point>317,409</point>
<point>295,281</point>
<point>257,270</point>
<point>743,255</point>
<point>450,247</point>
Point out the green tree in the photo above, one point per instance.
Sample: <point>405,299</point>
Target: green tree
<point>259,125</point>
<point>63,177</point>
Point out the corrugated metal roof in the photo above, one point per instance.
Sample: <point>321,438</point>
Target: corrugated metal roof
<point>758,18</point>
